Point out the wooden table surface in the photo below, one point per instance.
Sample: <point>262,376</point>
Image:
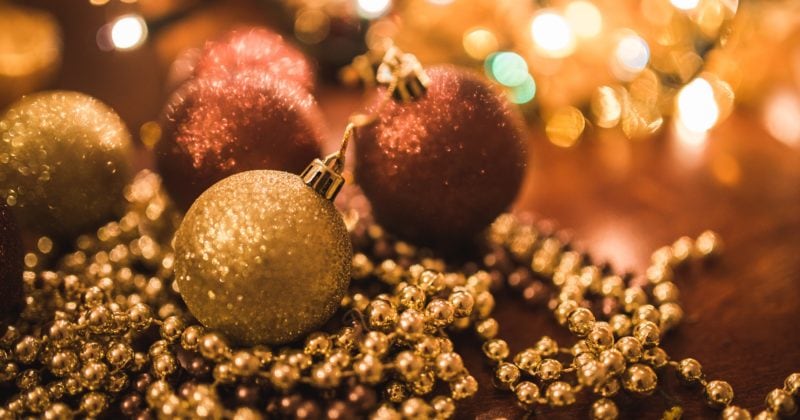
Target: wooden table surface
<point>620,199</point>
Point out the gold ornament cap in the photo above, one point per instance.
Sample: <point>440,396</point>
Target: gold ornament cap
<point>325,176</point>
<point>404,70</point>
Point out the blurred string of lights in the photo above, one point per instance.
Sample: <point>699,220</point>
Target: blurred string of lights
<point>578,64</point>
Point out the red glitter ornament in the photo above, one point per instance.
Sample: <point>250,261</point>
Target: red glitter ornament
<point>10,264</point>
<point>255,48</point>
<point>215,127</point>
<point>438,170</point>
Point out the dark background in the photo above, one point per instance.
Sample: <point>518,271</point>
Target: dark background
<point>620,199</point>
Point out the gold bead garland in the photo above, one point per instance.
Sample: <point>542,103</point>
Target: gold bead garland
<point>104,332</point>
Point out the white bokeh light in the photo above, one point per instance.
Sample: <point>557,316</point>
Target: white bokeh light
<point>552,35</point>
<point>128,32</point>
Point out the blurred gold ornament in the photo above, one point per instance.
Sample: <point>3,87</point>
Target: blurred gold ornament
<point>65,161</point>
<point>30,50</point>
<point>262,257</point>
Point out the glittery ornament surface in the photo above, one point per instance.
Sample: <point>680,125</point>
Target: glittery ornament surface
<point>65,161</point>
<point>10,264</point>
<point>439,169</point>
<point>262,257</point>
<point>259,49</point>
<point>215,127</point>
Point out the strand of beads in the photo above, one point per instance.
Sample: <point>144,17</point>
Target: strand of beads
<point>624,350</point>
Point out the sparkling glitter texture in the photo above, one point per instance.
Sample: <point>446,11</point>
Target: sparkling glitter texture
<point>215,127</point>
<point>10,264</point>
<point>65,161</point>
<point>440,169</point>
<point>262,257</point>
<point>255,49</point>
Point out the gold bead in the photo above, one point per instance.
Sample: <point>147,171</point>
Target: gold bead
<point>283,375</point>
<point>223,373</point>
<point>464,387</point>
<point>546,346</point>
<point>666,292</point>
<point>116,382</point>
<point>647,333</point>
<point>690,370</point>
<point>609,388</point>
<point>444,407</point>
<point>495,349</point>
<point>37,399</point>
<point>621,325</point>
<point>93,374</point>
<point>487,329</point>
<point>708,244</point>
<point>604,409</point>
<point>93,404</point>
<point>164,365</point>
<point>792,384</point>
<point>326,376</point>
<point>632,298</point>
<point>733,412</point>
<point>580,347</point>
<point>408,364</point>
<point>462,303</point>
<point>612,286</point>
<point>412,297</point>
<point>140,316</point>
<point>172,328</point>
<point>583,359</point>
<point>369,369</point>
<point>580,321</point>
<point>213,347</point>
<point>766,415</point>
<point>317,343</point>
<point>527,392</point>
<point>386,412</point>
<point>613,360</point>
<point>781,402</point>
<point>190,338</point>
<point>682,249</point>
<point>428,347</point>
<point>484,304</point>
<point>244,364</point>
<point>375,342</point>
<point>381,315</point>
<point>601,337</point>
<point>449,366</point>
<point>26,349</point>
<point>671,316</point>
<point>549,369</point>
<point>119,355</point>
<point>57,411</point>
<point>396,392</point>
<point>563,310</point>
<point>63,363</point>
<point>411,322</point>
<point>416,409</point>
<point>424,383</point>
<point>718,394</point>
<point>507,374</point>
<point>560,394</point>
<point>591,373</point>
<point>528,360</point>
<point>640,380</point>
<point>655,357</point>
<point>646,313</point>
<point>158,392</point>
<point>439,312</point>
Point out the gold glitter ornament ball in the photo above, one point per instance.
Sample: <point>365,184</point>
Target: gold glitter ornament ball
<point>262,257</point>
<point>65,161</point>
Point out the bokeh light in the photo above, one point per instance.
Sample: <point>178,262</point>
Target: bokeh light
<point>606,107</point>
<point>584,18</point>
<point>371,9</point>
<point>697,109</point>
<point>479,43</point>
<point>128,32</point>
<point>524,92</point>
<point>508,68</point>
<point>685,4</point>
<point>311,26</point>
<point>782,116</point>
<point>631,56</point>
<point>552,35</point>
<point>565,126</point>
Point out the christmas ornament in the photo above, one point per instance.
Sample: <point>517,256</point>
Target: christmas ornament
<point>440,168</point>
<point>255,49</point>
<point>263,257</point>
<point>214,127</point>
<point>30,50</point>
<point>10,264</point>
<point>65,161</point>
